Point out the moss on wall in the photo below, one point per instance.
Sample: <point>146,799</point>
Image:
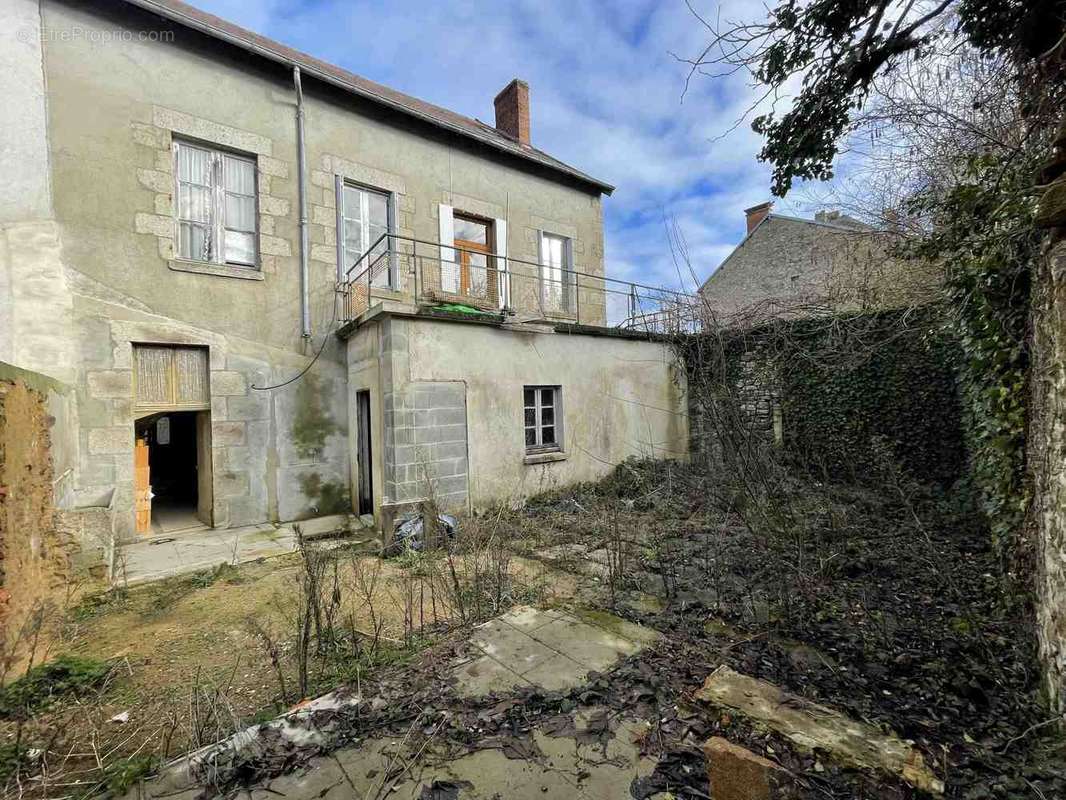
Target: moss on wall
<point>325,497</point>
<point>312,425</point>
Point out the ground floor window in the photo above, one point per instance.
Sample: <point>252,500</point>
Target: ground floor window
<point>543,418</point>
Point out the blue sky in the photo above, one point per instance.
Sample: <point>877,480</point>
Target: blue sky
<point>605,95</point>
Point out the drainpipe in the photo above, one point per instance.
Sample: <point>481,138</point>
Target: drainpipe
<point>301,154</point>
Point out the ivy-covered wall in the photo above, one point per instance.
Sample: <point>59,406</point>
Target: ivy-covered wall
<point>848,393</point>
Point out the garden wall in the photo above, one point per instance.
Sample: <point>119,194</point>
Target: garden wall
<point>36,563</point>
<point>844,394</point>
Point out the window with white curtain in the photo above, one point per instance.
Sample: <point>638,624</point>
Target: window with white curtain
<point>215,204</point>
<point>556,274</point>
<point>365,219</point>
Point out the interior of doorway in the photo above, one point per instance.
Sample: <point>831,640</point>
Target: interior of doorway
<point>174,474</point>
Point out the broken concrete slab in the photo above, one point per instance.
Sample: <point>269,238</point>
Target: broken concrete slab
<point>552,649</point>
<point>736,773</point>
<point>811,726</point>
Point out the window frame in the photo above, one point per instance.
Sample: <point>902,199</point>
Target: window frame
<point>343,183</point>
<point>568,282</point>
<point>217,196</point>
<point>538,424</point>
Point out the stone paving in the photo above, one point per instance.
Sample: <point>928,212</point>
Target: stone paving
<point>552,648</point>
<point>547,648</point>
<point>165,556</point>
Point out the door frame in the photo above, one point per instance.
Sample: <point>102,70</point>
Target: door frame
<point>364,453</point>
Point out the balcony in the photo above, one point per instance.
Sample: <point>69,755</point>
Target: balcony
<point>435,275</point>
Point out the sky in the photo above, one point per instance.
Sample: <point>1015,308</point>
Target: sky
<point>606,95</point>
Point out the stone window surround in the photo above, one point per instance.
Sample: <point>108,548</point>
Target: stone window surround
<point>325,215</point>
<point>166,123</point>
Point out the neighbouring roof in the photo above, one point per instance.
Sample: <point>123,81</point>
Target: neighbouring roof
<point>226,31</point>
<point>842,223</point>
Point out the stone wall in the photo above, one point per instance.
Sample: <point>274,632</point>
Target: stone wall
<point>35,554</point>
<point>1047,460</point>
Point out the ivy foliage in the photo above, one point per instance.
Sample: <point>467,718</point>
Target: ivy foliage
<point>896,404</point>
<point>982,231</point>
<point>858,393</point>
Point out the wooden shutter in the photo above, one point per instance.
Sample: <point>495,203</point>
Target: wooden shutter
<point>170,377</point>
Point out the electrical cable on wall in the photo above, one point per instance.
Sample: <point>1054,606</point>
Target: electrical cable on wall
<point>305,370</point>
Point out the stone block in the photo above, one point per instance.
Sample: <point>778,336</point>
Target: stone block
<point>154,224</point>
<point>229,484</point>
<point>150,136</point>
<point>275,206</point>
<point>227,434</point>
<point>274,246</point>
<point>736,773</point>
<point>155,180</point>
<point>228,383</point>
<point>110,441</point>
<point>321,215</point>
<point>110,383</point>
<point>204,129</point>
<point>273,166</point>
<point>325,253</point>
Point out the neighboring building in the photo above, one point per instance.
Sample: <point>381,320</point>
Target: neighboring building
<point>165,254</point>
<point>800,267</point>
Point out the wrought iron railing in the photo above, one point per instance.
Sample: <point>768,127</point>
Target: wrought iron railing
<point>432,273</point>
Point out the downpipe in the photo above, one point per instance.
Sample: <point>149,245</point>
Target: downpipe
<point>301,173</point>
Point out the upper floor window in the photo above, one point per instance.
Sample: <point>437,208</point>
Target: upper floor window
<point>543,423</point>
<point>364,215</point>
<point>216,205</point>
<point>474,238</point>
<point>557,276</point>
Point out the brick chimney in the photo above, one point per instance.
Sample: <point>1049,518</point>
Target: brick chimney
<point>512,110</point>
<point>757,214</point>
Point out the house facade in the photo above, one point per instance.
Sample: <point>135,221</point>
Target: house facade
<point>792,266</point>
<point>276,290</point>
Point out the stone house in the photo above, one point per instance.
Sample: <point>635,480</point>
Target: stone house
<point>274,290</point>
<point>792,266</point>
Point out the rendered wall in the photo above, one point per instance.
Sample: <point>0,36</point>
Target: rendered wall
<point>85,278</point>
<point>621,397</point>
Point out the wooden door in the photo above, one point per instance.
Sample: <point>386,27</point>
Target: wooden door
<point>205,505</point>
<point>142,487</point>
<point>364,459</point>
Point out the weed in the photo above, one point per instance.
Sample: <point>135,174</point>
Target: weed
<point>46,683</point>
<point>122,775</point>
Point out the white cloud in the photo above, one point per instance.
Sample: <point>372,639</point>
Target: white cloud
<point>606,96</point>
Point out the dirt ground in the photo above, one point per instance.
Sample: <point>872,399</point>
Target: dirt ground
<point>191,661</point>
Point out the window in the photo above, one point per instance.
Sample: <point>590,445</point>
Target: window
<point>170,377</point>
<point>556,274</point>
<point>364,215</point>
<point>477,272</point>
<point>216,205</point>
<point>543,422</point>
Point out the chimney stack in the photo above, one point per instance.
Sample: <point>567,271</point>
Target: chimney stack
<point>512,111</point>
<point>757,214</point>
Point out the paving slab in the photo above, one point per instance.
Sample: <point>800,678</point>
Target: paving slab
<point>811,726</point>
<point>550,648</point>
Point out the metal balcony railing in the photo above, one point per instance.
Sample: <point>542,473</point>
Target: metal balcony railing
<point>431,273</point>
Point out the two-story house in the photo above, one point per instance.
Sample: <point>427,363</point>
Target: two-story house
<point>278,290</point>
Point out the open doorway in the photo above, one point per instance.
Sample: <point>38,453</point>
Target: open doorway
<point>173,471</point>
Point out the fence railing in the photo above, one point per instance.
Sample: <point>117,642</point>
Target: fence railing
<point>432,273</point>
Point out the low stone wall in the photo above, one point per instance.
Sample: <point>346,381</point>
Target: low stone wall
<point>35,553</point>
